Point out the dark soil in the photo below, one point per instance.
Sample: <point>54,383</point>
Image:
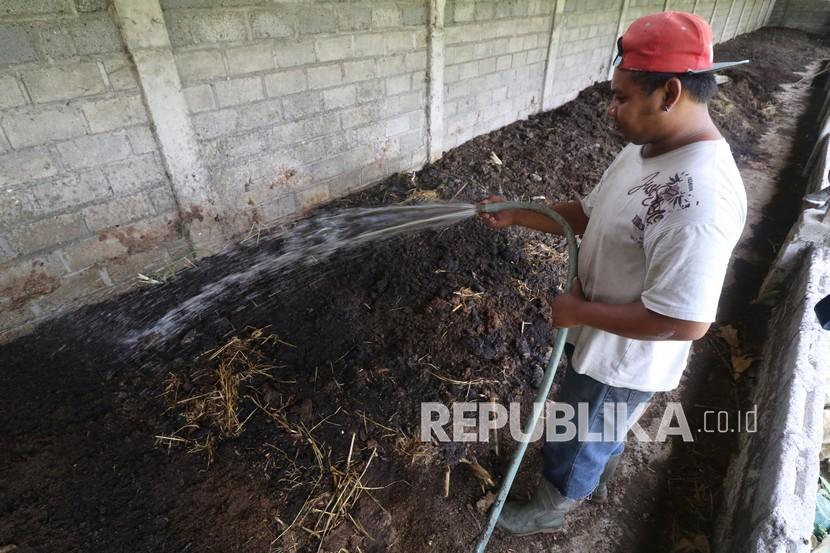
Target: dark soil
<point>453,315</point>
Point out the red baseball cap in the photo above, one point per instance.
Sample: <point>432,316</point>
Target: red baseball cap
<point>668,42</point>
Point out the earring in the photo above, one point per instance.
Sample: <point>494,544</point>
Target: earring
<point>666,109</point>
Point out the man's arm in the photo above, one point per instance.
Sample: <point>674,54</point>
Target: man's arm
<point>570,211</point>
<point>630,320</point>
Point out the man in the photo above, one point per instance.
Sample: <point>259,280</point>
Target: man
<point>658,231</point>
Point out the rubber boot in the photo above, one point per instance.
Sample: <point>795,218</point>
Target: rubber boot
<point>600,494</point>
<point>543,513</point>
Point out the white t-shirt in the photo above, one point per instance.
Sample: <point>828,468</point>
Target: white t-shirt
<point>661,230</point>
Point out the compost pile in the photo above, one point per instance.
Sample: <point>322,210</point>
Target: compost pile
<point>288,419</point>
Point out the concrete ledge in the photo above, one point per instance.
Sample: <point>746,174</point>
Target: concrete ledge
<point>770,488</point>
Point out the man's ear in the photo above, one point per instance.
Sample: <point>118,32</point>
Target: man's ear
<point>671,90</point>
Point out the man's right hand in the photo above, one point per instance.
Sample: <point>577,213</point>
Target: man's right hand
<point>500,219</point>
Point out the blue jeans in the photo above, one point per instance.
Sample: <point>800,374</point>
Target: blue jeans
<point>574,466</point>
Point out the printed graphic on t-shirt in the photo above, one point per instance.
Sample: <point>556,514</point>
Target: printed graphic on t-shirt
<point>661,198</point>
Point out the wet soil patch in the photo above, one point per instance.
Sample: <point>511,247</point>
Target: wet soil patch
<point>87,462</point>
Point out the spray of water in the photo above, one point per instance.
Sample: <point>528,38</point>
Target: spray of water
<point>308,242</point>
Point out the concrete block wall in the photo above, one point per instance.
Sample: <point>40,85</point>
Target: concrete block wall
<point>295,103</point>
<point>135,132</point>
<point>495,55</point>
<point>85,202</point>
<point>771,486</point>
<point>808,15</point>
<point>586,46</point>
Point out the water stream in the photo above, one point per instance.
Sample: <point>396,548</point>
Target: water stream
<point>303,245</point>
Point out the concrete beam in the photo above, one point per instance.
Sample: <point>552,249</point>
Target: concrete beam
<point>557,22</point>
<point>769,12</point>
<point>809,232</point>
<point>740,19</point>
<point>435,79</point>
<point>145,36</point>
<point>620,29</point>
<point>726,24</point>
<point>712,16</point>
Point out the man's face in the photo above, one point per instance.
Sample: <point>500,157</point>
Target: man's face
<point>635,114</point>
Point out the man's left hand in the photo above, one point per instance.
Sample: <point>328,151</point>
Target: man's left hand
<point>566,307</point>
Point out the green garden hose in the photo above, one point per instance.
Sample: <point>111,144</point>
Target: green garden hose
<point>550,372</point>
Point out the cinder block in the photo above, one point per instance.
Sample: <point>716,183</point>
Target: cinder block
<point>271,24</point>
<point>412,101</point>
<point>25,165</point>
<point>328,168</point>
<point>341,97</point>
<point>482,50</point>
<point>239,91</point>
<point>94,250</point>
<point>52,41</point>
<point>369,90</point>
<point>70,191</point>
<point>340,142</point>
<point>313,196</point>
<point>245,145</point>
<point>368,45</point>
<point>285,82</point>
<point>214,26</point>
<point>464,12</point>
<point>95,35</point>
<point>88,6</point>
<point>121,74</point>
<point>64,82</point>
<point>386,17</point>
<point>18,204</point>
<point>353,17</point>
<point>141,140</point>
<point>334,48</point>
<point>16,45</point>
<point>276,209</point>
<point>398,85</point>
<point>199,98</point>
<point>390,65</point>
<point>359,116</point>
<point>316,19</point>
<point>468,70</point>
<point>162,199</point>
<point>485,12</point>
<point>291,54</point>
<point>325,76</point>
<point>397,126</point>
<point>135,174</point>
<point>10,93</point>
<point>416,61</point>
<point>42,126</point>
<point>360,70</point>
<point>260,114</point>
<point>298,106</point>
<point>308,152</point>
<point>399,41</point>
<point>411,141</point>
<point>98,149</point>
<point>414,15</point>
<point>117,212</point>
<point>212,124</point>
<point>504,62</point>
<point>200,65</point>
<point>48,232</point>
<point>250,59</point>
<point>34,7</point>
<point>107,115</point>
